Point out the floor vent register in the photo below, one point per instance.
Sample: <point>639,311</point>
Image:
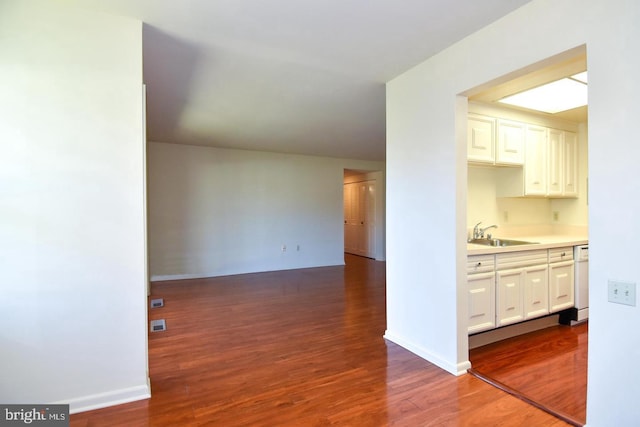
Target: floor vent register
<point>158,325</point>
<point>157,302</point>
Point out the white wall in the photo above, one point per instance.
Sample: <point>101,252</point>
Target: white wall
<point>425,309</point>
<point>216,211</point>
<point>422,217</point>
<point>73,302</point>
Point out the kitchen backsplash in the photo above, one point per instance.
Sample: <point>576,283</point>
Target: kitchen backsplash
<point>483,205</point>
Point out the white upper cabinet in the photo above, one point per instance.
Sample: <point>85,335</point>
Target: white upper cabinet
<point>481,135</point>
<point>536,167</point>
<point>570,163</point>
<point>556,168</point>
<point>550,166</point>
<point>563,164</point>
<point>494,141</point>
<point>510,143</point>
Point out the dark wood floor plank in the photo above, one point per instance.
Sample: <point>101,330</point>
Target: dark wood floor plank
<point>547,366</point>
<point>298,348</point>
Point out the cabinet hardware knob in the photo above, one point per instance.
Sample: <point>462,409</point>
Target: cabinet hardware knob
<point>478,264</point>
<point>563,254</point>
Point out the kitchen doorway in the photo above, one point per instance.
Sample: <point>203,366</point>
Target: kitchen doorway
<point>492,196</point>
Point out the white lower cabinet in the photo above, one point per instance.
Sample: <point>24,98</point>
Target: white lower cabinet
<point>482,313</point>
<point>512,287</point>
<point>536,291</point>
<point>481,285</point>
<point>561,280</point>
<point>509,295</point>
<point>561,286</point>
<point>521,278</point>
<point>522,294</point>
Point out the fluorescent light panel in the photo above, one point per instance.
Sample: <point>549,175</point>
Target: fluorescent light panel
<point>581,77</point>
<point>561,95</point>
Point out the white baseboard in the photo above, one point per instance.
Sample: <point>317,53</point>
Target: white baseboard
<point>495,335</point>
<point>110,398</point>
<point>453,368</point>
<point>211,274</point>
<point>168,277</point>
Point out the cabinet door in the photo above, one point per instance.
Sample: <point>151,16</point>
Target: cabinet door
<point>555,184</point>
<point>536,291</point>
<point>561,286</point>
<point>510,143</point>
<point>481,139</point>
<point>535,169</point>
<point>509,296</point>
<point>481,299</point>
<point>570,165</point>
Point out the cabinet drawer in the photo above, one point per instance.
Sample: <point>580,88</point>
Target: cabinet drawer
<point>520,259</point>
<point>480,263</point>
<point>560,254</point>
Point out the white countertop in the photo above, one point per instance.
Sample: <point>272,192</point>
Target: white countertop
<point>542,242</point>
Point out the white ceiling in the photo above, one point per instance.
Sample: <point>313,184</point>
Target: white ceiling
<point>296,76</point>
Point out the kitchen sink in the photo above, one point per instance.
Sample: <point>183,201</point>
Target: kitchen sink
<point>500,242</point>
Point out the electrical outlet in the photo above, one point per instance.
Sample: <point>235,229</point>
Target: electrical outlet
<point>298,248</point>
<point>622,293</point>
<point>556,215</point>
<point>284,248</point>
<point>505,216</point>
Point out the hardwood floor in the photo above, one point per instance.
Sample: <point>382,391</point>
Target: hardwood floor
<point>548,367</point>
<point>298,348</point>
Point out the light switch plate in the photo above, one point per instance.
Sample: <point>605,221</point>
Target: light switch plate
<point>622,292</point>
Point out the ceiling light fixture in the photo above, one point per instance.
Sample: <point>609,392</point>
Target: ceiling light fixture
<point>564,94</point>
<point>581,77</point>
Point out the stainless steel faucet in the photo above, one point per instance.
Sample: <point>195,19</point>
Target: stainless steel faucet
<point>478,233</point>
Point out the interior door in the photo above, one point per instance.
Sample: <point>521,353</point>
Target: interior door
<point>360,218</point>
<point>351,216</point>
<point>368,207</point>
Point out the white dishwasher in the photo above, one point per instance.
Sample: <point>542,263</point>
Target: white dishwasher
<point>581,258</point>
